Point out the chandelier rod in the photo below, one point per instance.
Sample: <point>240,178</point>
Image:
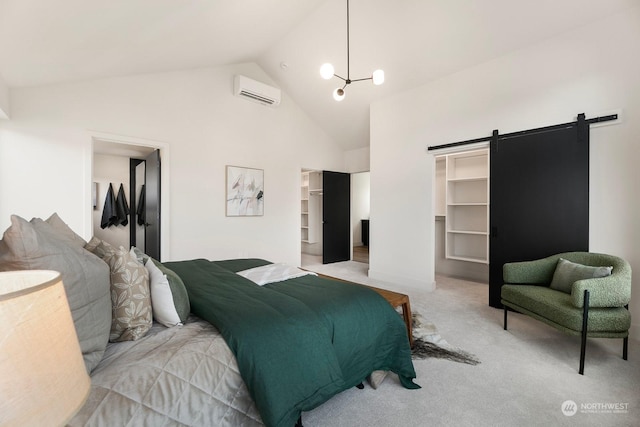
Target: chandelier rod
<point>348,75</point>
<point>327,70</point>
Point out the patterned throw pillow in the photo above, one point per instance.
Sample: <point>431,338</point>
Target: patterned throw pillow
<point>130,295</point>
<point>92,245</point>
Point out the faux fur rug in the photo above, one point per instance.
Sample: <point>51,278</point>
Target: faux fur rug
<point>428,343</point>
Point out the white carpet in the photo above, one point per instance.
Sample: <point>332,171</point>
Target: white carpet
<point>526,374</point>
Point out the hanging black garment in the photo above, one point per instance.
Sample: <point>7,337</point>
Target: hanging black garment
<point>109,214</point>
<point>122,207</point>
<point>141,210</point>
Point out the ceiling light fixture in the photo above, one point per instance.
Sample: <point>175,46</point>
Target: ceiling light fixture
<point>327,71</point>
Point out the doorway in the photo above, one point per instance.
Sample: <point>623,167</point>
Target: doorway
<point>461,214</point>
<point>325,218</point>
<point>360,211</point>
<point>145,216</point>
<point>311,217</point>
<point>112,169</point>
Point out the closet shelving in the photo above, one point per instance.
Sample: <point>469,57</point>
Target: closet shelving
<point>467,206</point>
<point>304,207</point>
<point>310,205</point>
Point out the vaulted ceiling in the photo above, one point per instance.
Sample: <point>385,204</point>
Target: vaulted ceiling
<point>413,41</point>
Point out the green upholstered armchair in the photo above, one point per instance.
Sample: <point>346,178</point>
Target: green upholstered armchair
<point>592,307</point>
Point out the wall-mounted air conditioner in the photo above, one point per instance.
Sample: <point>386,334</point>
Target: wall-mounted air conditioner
<point>256,91</point>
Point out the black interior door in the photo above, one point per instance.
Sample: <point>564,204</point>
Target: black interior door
<point>152,205</point>
<point>539,191</point>
<point>336,217</point>
<point>136,202</point>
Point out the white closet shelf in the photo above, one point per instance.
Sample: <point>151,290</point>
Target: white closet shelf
<point>469,179</point>
<point>311,207</point>
<point>469,259</point>
<point>478,233</point>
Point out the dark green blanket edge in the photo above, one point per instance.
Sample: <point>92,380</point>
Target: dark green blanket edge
<point>294,287</point>
<point>226,300</point>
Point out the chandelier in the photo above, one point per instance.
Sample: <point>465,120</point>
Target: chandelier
<point>327,71</point>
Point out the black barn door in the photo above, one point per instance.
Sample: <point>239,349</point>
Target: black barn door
<point>152,205</point>
<point>336,217</point>
<point>539,191</point>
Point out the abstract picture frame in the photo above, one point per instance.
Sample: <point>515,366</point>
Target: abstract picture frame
<point>244,191</point>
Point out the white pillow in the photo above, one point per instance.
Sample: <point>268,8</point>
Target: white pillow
<point>164,310</point>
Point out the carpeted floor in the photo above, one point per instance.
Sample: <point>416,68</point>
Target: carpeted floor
<point>525,376</point>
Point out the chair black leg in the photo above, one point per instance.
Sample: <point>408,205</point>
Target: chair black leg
<point>299,422</point>
<point>625,341</point>
<point>505,317</point>
<point>583,344</point>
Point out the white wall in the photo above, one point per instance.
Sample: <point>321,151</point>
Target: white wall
<point>45,156</point>
<point>357,160</point>
<point>4,100</point>
<point>592,69</point>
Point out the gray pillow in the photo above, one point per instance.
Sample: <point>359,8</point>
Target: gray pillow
<point>38,246</point>
<point>63,230</point>
<point>141,256</point>
<point>568,272</point>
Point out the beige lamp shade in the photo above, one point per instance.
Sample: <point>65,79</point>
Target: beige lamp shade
<point>43,378</point>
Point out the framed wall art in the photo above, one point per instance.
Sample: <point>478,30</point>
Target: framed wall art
<point>244,191</point>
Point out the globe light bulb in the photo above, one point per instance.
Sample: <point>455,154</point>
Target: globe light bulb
<point>338,94</point>
<point>326,71</point>
<point>378,77</point>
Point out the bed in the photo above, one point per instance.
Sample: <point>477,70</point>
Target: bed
<point>251,352</point>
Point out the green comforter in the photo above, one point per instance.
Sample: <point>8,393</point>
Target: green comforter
<point>297,342</point>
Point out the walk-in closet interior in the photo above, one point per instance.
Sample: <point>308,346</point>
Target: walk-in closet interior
<point>462,214</point>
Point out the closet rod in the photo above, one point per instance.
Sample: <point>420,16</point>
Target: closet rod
<point>524,132</point>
